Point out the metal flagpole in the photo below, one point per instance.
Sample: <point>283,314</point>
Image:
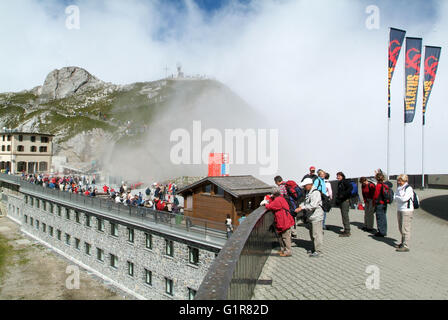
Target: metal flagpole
<point>404,159</point>
<point>423,152</point>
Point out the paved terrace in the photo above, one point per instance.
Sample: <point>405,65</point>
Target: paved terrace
<point>421,273</point>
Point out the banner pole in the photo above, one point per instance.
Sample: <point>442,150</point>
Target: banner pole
<point>423,153</point>
<point>404,153</point>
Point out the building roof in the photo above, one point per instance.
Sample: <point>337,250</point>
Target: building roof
<point>237,186</point>
<point>27,133</point>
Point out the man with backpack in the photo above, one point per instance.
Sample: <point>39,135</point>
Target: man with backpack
<point>342,201</point>
<point>312,206</point>
<point>407,201</point>
<point>311,175</point>
<point>368,190</point>
<point>381,198</point>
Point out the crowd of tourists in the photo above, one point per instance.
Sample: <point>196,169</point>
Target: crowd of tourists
<point>310,201</point>
<point>157,196</point>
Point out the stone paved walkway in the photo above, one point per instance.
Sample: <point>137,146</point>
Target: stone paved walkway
<point>421,273</point>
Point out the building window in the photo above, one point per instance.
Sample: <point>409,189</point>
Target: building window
<point>3,148</point>
<point>131,235</point>
<point>113,261</point>
<point>77,243</point>
<point>43,149</point>
<point>37,224</point>
<point>67,239</point>
<point>59,234</point>
<point>208,188</point>
<point>59,211</point>
<point>193,255</point>
<point>43,166</point>
<point>88,221</point>
<point>191,294</point>
<point>87,248</point>
<point>44,205</point>
<point>50,231</point>
<point>4,137</point>
<point>169,247</point>
<point>100,223</point>
<point>44,139</point>
<point>67,213</point>
<point>100,254</point>
<point>44,227</point>
<point>130,269</point>
<point>77,217</point>
<point>9,137</point>
<point>148,277</point>
<point>8,148</point>
<point>51,208</point>
<point>148,241</point>
<point>114,229</point>
<point>169,286</point>
<point>31,221</point>
<point>37,204</point>
<point>31,201</point>
<point>20,138</point>
<point>20,148</point>
<point>33,139</point>
<point>33,149</point>
<point>26,218</point>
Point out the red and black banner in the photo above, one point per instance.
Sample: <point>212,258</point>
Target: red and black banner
<point>412,76</point>
<point>432,56</point>
<point>395,44</point>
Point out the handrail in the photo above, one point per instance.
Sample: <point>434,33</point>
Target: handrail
<point>235,271</point>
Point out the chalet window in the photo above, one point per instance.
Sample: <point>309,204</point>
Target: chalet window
<point>208,188</point>
<point>130,269</point>
<point>148,241</point>
<point>87,248</point>
<point>100,254</point>
<point>219,191</point>
<point>8,148</point>
<point>33,149</point>
<point>33,139</point>
<point>43,149</point>
<point>131,235</point>
<point>169,250</point>
<point>44,139</point>
<point>20,148</point>
<point>50,231</point>
<point>20,138</point>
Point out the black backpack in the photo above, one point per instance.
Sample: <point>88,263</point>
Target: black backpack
<point>326,202</point>
<point>415,200</point>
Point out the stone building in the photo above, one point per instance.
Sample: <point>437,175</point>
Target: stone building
<point>25,152</point>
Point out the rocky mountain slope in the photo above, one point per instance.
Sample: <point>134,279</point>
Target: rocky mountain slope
<point>126,128</point>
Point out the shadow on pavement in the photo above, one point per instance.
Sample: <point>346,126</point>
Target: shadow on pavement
<point>387,240</point>
<point>437,206</point>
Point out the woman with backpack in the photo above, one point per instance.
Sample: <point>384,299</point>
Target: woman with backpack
<point>380,201</point>
<point>405,209</point>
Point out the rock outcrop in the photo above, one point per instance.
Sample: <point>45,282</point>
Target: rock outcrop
<point>67,81</point>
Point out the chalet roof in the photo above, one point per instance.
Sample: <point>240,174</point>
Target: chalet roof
<point>237,186</point>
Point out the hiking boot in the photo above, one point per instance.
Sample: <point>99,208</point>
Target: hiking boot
<point>398,246</point>
<point>403,249</point>
<point>345,234</point>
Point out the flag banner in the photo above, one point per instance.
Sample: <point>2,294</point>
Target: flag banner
<point>412,76</point>
<point>218,164</point>
<point>395,44</point>
<point>432,56</point>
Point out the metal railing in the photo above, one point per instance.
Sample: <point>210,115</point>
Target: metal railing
<point>143,215</point>
<point>239,264</point>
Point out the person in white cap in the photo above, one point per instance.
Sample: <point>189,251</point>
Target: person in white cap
<point>314,214</point>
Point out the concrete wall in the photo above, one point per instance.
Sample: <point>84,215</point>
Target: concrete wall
<point>177,268</point>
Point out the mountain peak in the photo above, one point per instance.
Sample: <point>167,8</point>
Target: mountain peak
<point>67,81</point>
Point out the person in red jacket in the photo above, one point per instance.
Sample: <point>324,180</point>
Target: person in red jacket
<point>283,221</point>
<point>368,191</point>
<point>380,205</point>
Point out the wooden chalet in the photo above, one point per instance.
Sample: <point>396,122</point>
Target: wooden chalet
<point>213,198</point>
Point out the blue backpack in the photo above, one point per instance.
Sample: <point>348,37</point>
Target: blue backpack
<point>354,189</point>
<point>415,200</point>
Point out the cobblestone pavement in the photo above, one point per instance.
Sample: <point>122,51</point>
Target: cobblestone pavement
<point>341,273</point>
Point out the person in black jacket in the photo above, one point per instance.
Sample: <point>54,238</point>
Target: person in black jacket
<point>343,202</point>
